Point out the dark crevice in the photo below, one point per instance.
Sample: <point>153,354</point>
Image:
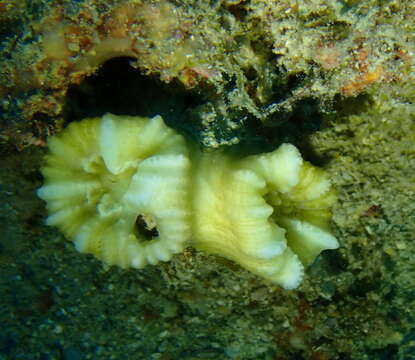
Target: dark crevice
<point>119,88</point>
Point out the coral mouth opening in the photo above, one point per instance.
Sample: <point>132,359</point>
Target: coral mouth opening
<point>145,226</point>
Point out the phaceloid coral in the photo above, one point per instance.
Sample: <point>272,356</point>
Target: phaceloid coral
<point>124,189</point>
<point>269,212</point>
<point>103,176</point>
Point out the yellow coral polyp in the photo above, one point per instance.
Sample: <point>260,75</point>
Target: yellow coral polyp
<point>125,189</point>
<point>269,212</point>
<point>103,174</point>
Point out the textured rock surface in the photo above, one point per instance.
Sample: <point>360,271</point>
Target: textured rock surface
<point>355,303</point>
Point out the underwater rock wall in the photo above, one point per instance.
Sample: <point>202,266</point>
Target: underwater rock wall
<point>356,302</point>
<point>272,62</point>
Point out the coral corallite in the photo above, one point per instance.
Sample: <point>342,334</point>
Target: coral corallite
<point>126,190</point>
<point>105,175</point>
<point>269,213</point>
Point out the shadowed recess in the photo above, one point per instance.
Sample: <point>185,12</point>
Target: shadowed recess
<point>119,88</point>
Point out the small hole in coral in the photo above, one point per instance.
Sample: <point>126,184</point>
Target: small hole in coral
<point>146,227</point>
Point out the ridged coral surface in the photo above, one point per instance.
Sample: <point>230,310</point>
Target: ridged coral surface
<point>268,212</point>
<point>109,181</point>
<point>123,189</point>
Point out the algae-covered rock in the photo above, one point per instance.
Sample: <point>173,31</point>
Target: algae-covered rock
<point>335,78</point>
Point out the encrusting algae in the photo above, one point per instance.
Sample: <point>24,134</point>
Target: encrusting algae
<point>335,77</point>
<point>252,60</point>
<point>127,190</point>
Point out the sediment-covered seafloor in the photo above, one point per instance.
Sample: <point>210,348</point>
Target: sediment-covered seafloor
<point>335,78</point>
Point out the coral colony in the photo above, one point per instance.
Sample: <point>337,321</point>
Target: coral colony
<point>129,191</point>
